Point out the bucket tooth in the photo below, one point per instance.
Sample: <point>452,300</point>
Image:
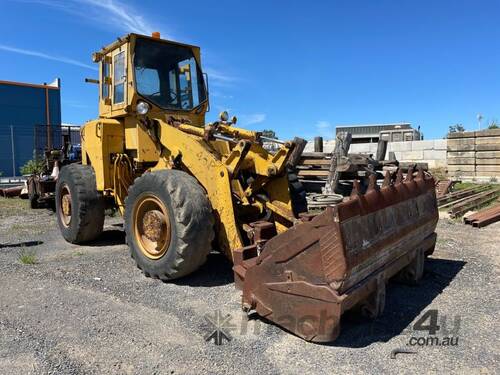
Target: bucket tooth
<point>387,179</point>
<point>420,174</point>
<point>372,183</point>
<point>305,278</point>
<point>356,189</point>
<point>409,175</point>
<point>399,176</point>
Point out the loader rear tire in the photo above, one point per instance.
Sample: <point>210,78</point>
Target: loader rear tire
<point>79,206</point>
<point>168,224</point>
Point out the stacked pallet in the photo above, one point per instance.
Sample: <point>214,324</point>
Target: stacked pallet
<point>473,155</point>
<point>488,153</point>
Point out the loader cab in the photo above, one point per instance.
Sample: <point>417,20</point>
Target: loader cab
<point>164,74</point>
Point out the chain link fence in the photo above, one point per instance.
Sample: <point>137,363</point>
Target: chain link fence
<point>20,143</point>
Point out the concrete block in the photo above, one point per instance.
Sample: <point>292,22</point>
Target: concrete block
<point>412,155</point>
<point>460,154</point>
<point>398,154</point>
<point>360,148</point>
<point>487,154</point>
<point>494,161</point>
<point>440,144</point>
<point>462,161</point>
<point>399,146</point>
<point>461,135</point>
<point>437,163</point>
<point>488,133</point>
<point>422,145</point>
<point>328,146</point>
<point>461,168</point>
<point>488,168</point>
<point>363,148</point>
<point>435,154</point>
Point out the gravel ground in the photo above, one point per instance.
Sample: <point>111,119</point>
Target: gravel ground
<point>82,310</point>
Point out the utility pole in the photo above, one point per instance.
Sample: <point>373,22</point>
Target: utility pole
<point>13,151</point>
<point>479,118</point>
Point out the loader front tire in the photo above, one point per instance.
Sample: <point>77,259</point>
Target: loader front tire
<point>168,224</point>
<point>32,195</point>
<point>79,206</point>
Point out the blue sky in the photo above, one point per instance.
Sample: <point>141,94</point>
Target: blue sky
<point>297,67</point>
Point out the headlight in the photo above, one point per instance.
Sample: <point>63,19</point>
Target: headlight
<point>142,108</point>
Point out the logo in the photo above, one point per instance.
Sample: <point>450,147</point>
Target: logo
<point>219,327</point>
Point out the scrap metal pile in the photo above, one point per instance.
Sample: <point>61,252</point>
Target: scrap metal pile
<point>330,176</point>
<point>460,202</point>
<point>444,187</point>
<point>484,217</point>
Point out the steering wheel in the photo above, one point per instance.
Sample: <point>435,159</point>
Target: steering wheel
<point>173,94</point>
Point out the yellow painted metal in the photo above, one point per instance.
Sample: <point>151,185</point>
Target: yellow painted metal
<point>121,145</point>
<point>211,173</point>
<point>138,134</point>
<point>110,109</point>
<point>100,139</point>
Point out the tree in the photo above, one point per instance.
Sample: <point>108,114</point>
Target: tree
<point>32,166</point>
<point>457,128</point>
<point>493,124</point>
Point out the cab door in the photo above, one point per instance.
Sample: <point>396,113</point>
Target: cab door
<point>105,86</point>
<point>119,79</point>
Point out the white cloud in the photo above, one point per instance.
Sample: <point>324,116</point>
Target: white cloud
<point>115,13</point>
<point>120,15</point>
<point>218,78</point>
<point>217,94</point>
<point>323,129</point>
<point>322,124</point>
<point>125,18</point>
<point>42,55</point>
<point>255,118</point>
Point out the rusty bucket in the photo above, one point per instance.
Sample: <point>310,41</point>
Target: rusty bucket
<point>304,279</point>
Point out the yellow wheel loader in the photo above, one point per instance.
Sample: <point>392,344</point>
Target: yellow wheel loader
<point>184,187</point>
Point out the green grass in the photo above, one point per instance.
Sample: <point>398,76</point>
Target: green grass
<point>27,257</point>
<point>464,185</point>
<point>79,253</point>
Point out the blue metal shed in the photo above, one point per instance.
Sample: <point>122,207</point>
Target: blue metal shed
<point>22,107</point>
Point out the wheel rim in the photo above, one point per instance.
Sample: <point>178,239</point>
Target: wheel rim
<point>65,205</point>
<point>152,228</point>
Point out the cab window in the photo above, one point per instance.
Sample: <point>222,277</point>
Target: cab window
<point>119,78</point>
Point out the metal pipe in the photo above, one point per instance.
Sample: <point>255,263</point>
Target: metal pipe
<point>224,138</point>
<point>13,151</point>
<point>272,140</point>
<point>318,144</point>
<point>47,109</point>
